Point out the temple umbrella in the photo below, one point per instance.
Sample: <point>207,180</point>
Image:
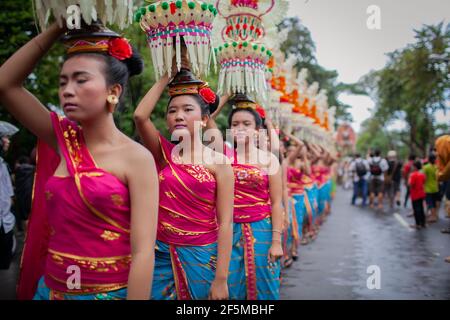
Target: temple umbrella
<point>7,129</point>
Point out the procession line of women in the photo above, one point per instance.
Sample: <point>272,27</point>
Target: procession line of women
<point>309,181</point>
<point>148,222</point>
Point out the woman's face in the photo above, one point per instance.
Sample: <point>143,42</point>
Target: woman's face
<point>303,153</point>
<point>291,149</point>
<point>82,88</point>
<point>282,149</point>
<point>182,113</point>
<point>5,143</point>
<point>243,127</point>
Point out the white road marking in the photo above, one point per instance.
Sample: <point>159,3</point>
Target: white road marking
<point>402,221</point>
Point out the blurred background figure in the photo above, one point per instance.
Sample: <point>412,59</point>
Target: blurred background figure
<point>443,158</point>
<point>360,171</point>
<point>378,166</point>
<point>7,219</point>
<point>431,188</point>
<point>417,190</point>
<point>392,178</point>
<point>407,169</point>
<point>23,182</point>
<point>347,176</point>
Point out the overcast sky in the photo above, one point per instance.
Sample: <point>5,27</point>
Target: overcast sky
<point>345,43</point>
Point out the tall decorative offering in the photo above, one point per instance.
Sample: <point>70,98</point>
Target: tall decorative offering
<point>243,56</point>
<point>173,24</point>
<point>112,12</point>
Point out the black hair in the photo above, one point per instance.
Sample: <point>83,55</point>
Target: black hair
<point>258,120</point>
<point>432,158</point>
<point>2,152</point>
<point>287,144</point>
<point>117,71</point>
<point>418,164</point>
<point>206,108</point>
<point>377,152</point>
<point>357,155</point>
<point>412,157</point>
<point>23,160</point>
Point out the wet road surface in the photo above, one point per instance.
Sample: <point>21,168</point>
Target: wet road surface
<point>335,265</point>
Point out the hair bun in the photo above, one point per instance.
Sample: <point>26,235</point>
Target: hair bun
<point>135,64</point>
<point>213,106</point>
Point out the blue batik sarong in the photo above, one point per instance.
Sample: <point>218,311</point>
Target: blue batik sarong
<point>251,276</point>
<point>198,267</point>
<point>45,293</point>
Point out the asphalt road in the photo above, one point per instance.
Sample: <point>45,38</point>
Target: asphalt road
<point>335,266</point>
<point>410,263</point>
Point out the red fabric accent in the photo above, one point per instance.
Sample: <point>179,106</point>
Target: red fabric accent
<point>208,95</point>
<point>120,48</point>
<point>417,185</point>
<point>34,253</point>
<point>173,8</point>
<point>261,111</point>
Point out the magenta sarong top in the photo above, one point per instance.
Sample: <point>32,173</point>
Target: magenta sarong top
<point>187,202</point>
<point>81,220</point>
<point>251,191</point>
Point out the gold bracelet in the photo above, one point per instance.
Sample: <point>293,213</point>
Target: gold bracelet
<point>279,231</point>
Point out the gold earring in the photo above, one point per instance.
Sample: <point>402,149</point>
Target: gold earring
<point>112,100</point>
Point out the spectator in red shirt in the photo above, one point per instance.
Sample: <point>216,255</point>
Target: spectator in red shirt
<point>417,190</point>
<point>405,173</point>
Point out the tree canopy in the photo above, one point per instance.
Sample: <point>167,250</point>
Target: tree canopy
<point>412,87</point>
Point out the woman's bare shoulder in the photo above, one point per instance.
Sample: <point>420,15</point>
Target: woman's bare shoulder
<point>134,153</point>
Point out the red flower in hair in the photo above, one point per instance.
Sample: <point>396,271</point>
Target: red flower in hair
<point>261,111</point>
<point>208,95</point>
<point>119,48</point>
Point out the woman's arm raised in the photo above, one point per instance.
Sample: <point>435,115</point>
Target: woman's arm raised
<point>299,148</point>
<point>211,123</point>
<point>274,138</point>
<point>20,102</point>
<point>146,128</point>
<point>222,102</point>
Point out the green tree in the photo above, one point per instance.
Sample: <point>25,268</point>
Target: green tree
<point>374,135</point>
<point>413,86</point>
<point>17,26</point>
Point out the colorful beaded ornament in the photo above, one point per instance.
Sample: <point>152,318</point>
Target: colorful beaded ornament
<point>243,57</point>
<point>168,23</point>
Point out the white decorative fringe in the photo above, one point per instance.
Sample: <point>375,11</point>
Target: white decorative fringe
<point>198,42</point>
<point>118,12</point>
